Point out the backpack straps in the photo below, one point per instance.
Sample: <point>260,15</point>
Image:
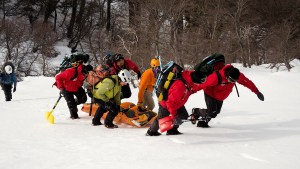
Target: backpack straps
<point>219,77</point>
<point>76,74</point>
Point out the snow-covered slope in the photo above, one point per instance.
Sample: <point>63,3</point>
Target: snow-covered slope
<point>248,134</point>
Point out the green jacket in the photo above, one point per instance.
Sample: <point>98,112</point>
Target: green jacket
<point>107,89</point>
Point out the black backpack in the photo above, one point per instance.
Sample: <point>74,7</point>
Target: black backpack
<point>211,64</point>
<point>169,73</point>
<point>69,59</point>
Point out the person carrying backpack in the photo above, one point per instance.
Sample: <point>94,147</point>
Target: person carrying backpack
<point>216,92</point>
<point>70,82</point>
<point>119,63</point>
<point>107,96</point>
<point>147,82</point>
<point>177,95</point>
<point>8,80</point>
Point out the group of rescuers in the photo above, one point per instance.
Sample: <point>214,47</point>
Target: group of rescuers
<point>109,92</point>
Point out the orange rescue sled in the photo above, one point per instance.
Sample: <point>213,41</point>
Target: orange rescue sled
<point>130,114</point>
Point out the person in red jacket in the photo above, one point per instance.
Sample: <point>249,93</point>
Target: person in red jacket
<point>178,94</point>
<point>121,63</point>
<point>70,82</point>
<point>216,92</point>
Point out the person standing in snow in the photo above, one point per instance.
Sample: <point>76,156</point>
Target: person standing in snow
<point>147,82</point>
<point>178,94</point>
<point>70,82</point>
<point>8,80</point>
<point>107,95</point>
<point>119,63</point>
<point>215,93</point>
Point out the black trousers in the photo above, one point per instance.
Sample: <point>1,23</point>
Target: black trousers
<point>7,91</point>
<point>125,91</point>
<point>162,112</point>
<point>113,111</point>
<point>72,102</point>
<point>213,105</point>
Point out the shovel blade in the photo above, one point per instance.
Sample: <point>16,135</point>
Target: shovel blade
<point>49,117</point>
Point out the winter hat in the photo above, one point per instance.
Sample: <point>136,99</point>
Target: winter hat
<point>102,70</point>
<point>8,69</point>
<point>87,68</point>
<point>198,77</point>
<point>233,73</point>
<point>118,57</point>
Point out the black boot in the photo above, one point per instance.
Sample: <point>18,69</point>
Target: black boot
<point>96,122</point>
<point>152,133</point>
<point>111,126</point>
<point>173,131</point>
<point>73,112</point>
<point>203,124</point>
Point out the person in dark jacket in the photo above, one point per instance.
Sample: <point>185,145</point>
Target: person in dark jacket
<point>215,93</point>
<point>121,63</point>
<point>8,80</point>
<point>178,94</point>
<point>70,82</point>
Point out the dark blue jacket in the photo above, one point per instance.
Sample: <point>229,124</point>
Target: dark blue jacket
<point>8,78</point>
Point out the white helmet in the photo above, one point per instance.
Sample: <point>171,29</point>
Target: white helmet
<point>125,75</point>
<point>8,69</point>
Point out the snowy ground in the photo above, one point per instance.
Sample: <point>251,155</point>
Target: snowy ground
<point>248,134</point>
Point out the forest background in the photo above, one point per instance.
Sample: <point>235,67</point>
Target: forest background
<point>251,32</point>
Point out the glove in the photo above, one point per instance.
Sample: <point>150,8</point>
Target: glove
<point>110,104</point>
<point>62,92</point>
<point>139,104</point>
<point>178,121</point>
<point>260,96</point>
<point>139,75</point>
<point>14,89</point>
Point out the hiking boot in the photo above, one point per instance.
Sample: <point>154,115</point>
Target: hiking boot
<point>96,122</point>
<point>111,126</point>
<point>203,124</point>
<point>151,133</point>
<point>194,118</point>
<point>173,132</point>
<point>74,117</point>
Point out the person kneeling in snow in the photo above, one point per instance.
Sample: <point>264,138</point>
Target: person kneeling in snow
<point>215,93</point>
<point>107,95</point>
<point>178,94</point>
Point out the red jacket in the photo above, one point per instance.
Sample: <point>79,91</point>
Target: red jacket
<point>222,91</point>
<point>128,64</point>
<point>64,79</point>
<point>178,94</point>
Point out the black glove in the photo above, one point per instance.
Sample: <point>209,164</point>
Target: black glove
<point>260,96</point>
<point>139,75</point>
<point>62,92</point>
<point>178,121</point>
<point>14,89</point>
<point>110,104</point>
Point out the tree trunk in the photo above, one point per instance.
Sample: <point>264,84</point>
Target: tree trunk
<point>73,18</point>
<point>108,15</point>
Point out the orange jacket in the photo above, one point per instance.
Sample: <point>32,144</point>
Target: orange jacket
<point>147,82</point>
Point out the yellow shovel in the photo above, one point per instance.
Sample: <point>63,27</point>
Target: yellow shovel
<point>49,116</point>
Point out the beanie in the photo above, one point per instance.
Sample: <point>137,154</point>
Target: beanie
<point>198,77</point>
<point>233,73</point>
